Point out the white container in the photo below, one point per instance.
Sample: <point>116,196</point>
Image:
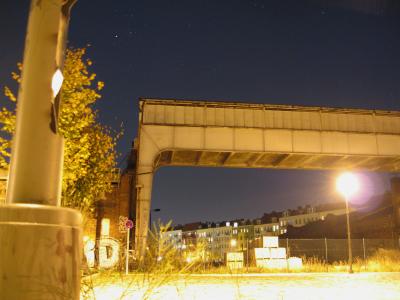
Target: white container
<point>262,253</point>
<point>272,263</point>
<point>270,242</point>
<point>276,264</point>
<point>278,253</point>
<point>261,263</point>
<point>295,263</point>
<point>234,260</point>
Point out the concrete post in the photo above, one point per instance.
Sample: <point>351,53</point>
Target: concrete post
<point>40,252</point>
<point>41,246</point>
<point>37,150</point>
<point>143,203</point>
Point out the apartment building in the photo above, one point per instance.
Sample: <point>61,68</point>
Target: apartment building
<point>270,229</point>
<point>300,218</point>
<point>172,238</point>
<point>240,235</point>
<point>216,239</point>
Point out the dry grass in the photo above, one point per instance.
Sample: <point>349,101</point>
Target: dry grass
<point>149,275</point>
<point>384,261</point>
<point>145,283</point>
<point>153,273</point>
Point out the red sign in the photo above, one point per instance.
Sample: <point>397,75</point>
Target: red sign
<point>129,224</point>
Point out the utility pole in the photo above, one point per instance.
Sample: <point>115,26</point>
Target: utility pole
<point>41,245</point>
<point>349,248</point>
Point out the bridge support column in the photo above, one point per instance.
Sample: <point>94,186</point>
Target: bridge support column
<point>143,203</point>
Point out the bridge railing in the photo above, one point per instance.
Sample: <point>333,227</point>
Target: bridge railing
<point>187,113</point>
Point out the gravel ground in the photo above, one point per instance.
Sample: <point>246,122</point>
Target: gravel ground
<point>308,286</point>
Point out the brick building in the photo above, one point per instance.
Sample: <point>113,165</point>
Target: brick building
<point>113,209</point>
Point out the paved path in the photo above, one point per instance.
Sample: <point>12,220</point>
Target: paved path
<point>307,286</point>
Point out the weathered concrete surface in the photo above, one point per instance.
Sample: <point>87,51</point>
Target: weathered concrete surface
<point>40,252</point>
<point>190,133</point>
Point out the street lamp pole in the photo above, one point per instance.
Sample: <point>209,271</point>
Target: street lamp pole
<point>347,185</point>
<point>153,210</point>
<point>349,237</point>
<point>247,254</point>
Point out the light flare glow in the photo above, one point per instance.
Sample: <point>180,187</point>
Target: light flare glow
<point>347,184</point>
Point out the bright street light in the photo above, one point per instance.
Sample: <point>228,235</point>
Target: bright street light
<point>233,243</point>
<point>347,185</point>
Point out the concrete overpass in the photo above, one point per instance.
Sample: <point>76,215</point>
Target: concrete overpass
<point>241,135</point>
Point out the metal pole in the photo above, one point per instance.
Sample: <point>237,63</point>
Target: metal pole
<point>287,254</point>
<point>32,225</point>
<point>326,254</point>
<point>349,237</point>
<point>365,262</point>
<point>287,247</point>
<point>127,252</point>
<point>247,242</point>
<point>137,250</point>
<point>326,250</point>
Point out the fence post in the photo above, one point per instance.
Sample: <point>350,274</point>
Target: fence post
<point>365,262</point>
<point>326,254</point>
<point>287,254</point>
<point>287,248</point>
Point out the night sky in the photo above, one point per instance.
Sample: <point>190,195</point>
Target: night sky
<point>320,53</point>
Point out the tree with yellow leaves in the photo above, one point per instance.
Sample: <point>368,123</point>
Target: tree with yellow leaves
<point>89,150</point>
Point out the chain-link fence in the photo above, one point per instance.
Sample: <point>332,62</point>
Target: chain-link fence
<point>331,250</point>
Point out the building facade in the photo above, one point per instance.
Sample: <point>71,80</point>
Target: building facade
<point>294,219</point>
<point>171,239</point>
<point>215,239</point>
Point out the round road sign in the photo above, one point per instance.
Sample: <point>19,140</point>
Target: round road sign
<point>129,224</point>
